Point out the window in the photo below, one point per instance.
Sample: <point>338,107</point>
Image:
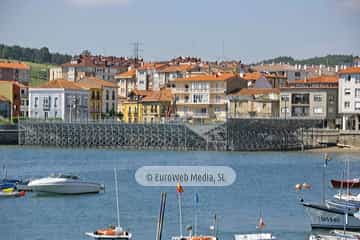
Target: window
<point>107,94</point>
<point>55,114</point>
<point>347,104</point>
<point>332,99</point>
<point>285,98</point>
<point>347,91</point>
<point>318,110</point>
<point>217,99</point>
<point>55,102</point>
<point>317,98</point>
<point>348,78</point>
<point>357,105</point>
<point>285,110</point>
<point>200,98</point>
<point>107,107</point>
<point>113,95</point>
<point>36,104</point>
<point>297,74</point>
<point>357,92</point>
<point>357,78</point>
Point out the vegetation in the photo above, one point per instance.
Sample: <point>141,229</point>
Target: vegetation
<point>329,60</point>
<point>35,55</point>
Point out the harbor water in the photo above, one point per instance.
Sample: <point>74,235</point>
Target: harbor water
<point>264,183</point>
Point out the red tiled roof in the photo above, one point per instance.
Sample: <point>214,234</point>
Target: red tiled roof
<point>92,82</point>
<point>207,77</point>
<point>61,83</point>
<point>164,95</point>
<point>350,70</point>
<point>178,68</point>
<point>14,65</point>
<point>129,74</point>
<point>252,76</point>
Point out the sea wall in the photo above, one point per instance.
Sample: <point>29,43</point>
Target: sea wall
<point>8,135</point>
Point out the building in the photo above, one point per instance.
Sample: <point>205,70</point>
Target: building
<point>55,73</point>
<point>311,98</point>
<point>164,77</point>
<point>5,108</point>
<point>148,106</point>
<point>126,82</point>
<point>95,66</point>
<point>24,100</point>
<point>157,106</point>
<point>349,98</point>
<point>286,70</point>
<point>59,99</point>
<point>14,71</point>
<point>203,97</point>
<point>254,102</point>
<point>145,76</point>
<point>103,97</point>
<point>11,90</point>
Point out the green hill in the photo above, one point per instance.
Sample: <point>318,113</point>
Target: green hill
<point>329,60</point>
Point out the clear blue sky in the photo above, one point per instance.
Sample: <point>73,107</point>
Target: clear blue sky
<point>251,30</point>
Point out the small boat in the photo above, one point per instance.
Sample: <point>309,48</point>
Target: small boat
<point>325,217</point>
<point>348,197</point>
<point>10,192</point>
<point>256,236</point>
<point>7,185</point>
<point>112,232</point>
<point>330,237</point>
<point>347,183</point>
<point>194,238</point>
<point>63,184</point>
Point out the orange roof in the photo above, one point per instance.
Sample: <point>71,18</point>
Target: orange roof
<point>147,66</point>
<point>320,79</point>
<point>350,70</point>
<point>178,68</point>
<point>129,74</point>
<point>207,77</point>
<point>4,99</point>
<point>256,91</point>
<point>61,83</point>
<point>164,95</point>
<point>252,76</point>
<point>14,65</point>
<point>141,92</point>
<point>92,82</point>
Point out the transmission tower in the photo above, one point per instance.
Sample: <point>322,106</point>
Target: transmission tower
<point>136,51</point>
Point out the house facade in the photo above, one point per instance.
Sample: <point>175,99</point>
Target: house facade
<point>254,102</point>
<point>313,98</point>
<point>14,71</point>
<point>59,99</point>
<point>103,97</point>
<point>5,108</point>
<point>203,97</point>
<point>349,98</point>
<point>11,91</point>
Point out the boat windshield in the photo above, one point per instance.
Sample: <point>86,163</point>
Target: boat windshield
<point>64,176</point>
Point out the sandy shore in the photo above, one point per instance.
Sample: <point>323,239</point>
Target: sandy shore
<point>336,150</point>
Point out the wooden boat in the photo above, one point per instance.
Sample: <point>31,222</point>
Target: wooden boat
<point>347,183</point>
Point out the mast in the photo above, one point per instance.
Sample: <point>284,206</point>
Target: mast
<point>180,190</point>
<point>117,199</point>
<point>196,199</point>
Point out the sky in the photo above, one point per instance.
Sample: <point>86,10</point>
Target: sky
<point>247,30</point>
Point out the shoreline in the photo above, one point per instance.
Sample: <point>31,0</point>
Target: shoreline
<point>335,149</point>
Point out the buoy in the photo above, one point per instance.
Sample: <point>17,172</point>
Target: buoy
<point>298,187</point>
<point>306,186</point>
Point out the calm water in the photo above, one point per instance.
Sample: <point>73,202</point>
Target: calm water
<point>264,181</point>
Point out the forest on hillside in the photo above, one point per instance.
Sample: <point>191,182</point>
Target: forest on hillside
<point>329,60</point>
<point>35,55</point>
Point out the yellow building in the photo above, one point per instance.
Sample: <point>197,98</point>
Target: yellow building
<point>147,106</point>
<point>103,97</point>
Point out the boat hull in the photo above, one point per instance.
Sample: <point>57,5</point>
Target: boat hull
<point>327,218</point>
<point>345,183</point>
<point>66,188</point>
<point>97,236</point>
<point>254,236</point>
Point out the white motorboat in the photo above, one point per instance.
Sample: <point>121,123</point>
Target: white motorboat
<point>194,238</point>
<point>335,236</point>
<point>254,236</point>
<point>64,184</point>
<point>348,197</point>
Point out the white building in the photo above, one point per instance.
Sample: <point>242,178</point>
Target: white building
<point>349,98</point>
<point>55,73</point>
<point>59,99</point>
